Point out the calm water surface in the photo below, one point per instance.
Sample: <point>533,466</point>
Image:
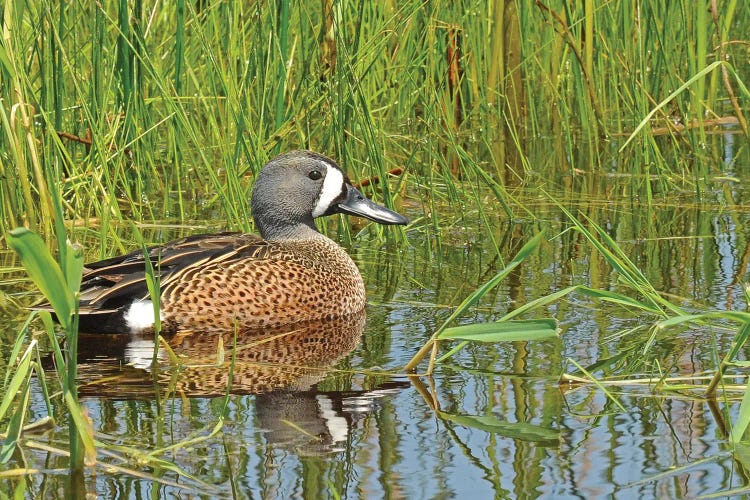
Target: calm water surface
<point>313,414</point>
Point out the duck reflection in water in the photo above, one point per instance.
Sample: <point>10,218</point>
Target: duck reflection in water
<point>292,357</point>
<point>280,365</point>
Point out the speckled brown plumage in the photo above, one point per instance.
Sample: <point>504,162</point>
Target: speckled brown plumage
<point>218,281</point>
<point>266,284</point>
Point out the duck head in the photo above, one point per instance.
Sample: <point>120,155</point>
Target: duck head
<point>294,188</point>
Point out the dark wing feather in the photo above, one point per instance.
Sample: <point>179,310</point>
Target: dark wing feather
<point>109,284</point>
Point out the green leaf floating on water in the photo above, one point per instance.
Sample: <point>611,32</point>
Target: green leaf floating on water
<point>503,331</point>
<point>515,430</point>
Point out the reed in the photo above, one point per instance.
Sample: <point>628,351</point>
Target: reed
<point>188,99</point>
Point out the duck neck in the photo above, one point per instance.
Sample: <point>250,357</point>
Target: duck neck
<point>303,230</point>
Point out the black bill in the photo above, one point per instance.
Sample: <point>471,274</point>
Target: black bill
<point>355,203</point>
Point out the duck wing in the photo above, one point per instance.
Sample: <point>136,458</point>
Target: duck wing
<point>120,280</point>
<point>108,285</point>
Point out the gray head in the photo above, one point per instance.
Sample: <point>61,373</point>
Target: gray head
<point>294,188</point>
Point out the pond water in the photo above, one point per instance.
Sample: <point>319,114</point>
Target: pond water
<point>326,412</point>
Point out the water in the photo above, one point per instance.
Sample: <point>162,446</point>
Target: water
<point>327,412</point>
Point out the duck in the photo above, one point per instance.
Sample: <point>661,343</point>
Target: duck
<point>288,273</point>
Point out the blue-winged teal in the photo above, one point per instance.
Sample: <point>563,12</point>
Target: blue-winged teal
<point>213,282</point>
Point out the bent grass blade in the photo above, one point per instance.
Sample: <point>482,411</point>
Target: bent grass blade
<point>44,271</point>
<point>503,331</point>
<point>499,331</point>
<point>470,301</point>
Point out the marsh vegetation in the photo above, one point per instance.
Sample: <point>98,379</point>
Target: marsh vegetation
<point>573,278</point>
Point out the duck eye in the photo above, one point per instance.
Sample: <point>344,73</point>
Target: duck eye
<point>315,175</point>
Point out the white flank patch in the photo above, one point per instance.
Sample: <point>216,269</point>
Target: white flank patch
<point>140,315</point>
<point>337,425</point>
<point>333,183</point>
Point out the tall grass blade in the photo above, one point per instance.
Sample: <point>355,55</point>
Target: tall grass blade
<point>60,287</point>
<point>15,426</point>
<point>21,374</point>
<point>743,418</point>
<point>83,427</point>
<point>620,299</point>
<point>477,295</point>
<point>17,346</point>
<point>44,271</point>
<point>620,262</point>
<point>698,76</point>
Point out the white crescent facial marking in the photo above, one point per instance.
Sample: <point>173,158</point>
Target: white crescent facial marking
<point>333,183</point>
<point>140,316</point>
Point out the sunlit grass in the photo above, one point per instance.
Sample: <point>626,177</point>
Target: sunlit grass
<point>177,104</point>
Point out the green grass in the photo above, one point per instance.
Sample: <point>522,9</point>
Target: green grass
<point>176,107</point>
<point>640,296</point>
<point>181,105</point>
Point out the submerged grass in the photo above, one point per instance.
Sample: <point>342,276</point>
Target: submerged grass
<point>666,316</point>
